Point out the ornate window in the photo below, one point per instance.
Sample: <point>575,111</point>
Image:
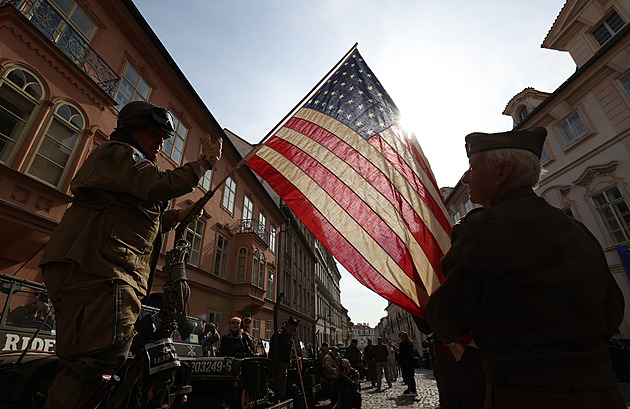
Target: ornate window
<point>241,265</point>
<point>624,81</point>
<point>544,156</point>
<point>272,239</point>
<point>174,146</point>
<point>63,22</point>
<point>572,128</point>
<point>132,88</point>
<point>522,114</point>
<point>248,208</point>
<point>614,213</point>
<point>214,317</point>
<point>256,329</point>
<point>229,193</point>
<point>261,271</point>
<point>221,256</point>
<point>206,180</point>
<point>194,235</point>
<point>255,267</point>
<point>608,28</point>
<point>21,94</point>
<point>56,147</point>
<point>270,284</point>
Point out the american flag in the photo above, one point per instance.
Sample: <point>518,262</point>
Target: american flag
<point>362,185</point>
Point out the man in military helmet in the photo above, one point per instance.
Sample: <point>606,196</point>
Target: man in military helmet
<point>101,258</point>
<point>531,283</point>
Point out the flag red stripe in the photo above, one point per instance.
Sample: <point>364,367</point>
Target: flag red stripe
<point>417,155</point>
<point>348,200</point>
<point>399,163</point>
<point>331,238</point>
<point>366,168</point>
<point>374,176</point>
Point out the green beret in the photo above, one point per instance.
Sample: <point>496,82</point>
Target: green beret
<point>531,139</point>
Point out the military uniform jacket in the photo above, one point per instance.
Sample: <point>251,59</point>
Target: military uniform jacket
<point>115,224</point>
<point>535,288</point>
<point>280,346</point>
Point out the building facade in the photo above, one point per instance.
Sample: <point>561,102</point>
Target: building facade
<point>588,123</point>
<point>66,69</point>
<point>362,332</point>
<point>329,310</point>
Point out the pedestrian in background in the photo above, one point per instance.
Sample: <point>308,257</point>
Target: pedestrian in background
<point>354,356</point>
<point>381,355</point>
<point>370,362</point>
<point>209,338</point>
<point>392,363</point>
<point>280,347</point>
<point>531,283</point>
<point>406,360</point>
<point>347,387</point>
<point>233,343</point>
<point>101,257</point>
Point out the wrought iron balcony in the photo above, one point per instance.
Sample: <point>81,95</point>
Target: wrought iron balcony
<point>60,31</point>
<point>252,226</point>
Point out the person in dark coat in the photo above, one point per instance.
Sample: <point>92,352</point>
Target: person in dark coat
<point>531,283</point>
<point>406,357</point>
<point>233,343</point>
<point>280,346</point>
<point>354,356</point>
<point>370,362</point>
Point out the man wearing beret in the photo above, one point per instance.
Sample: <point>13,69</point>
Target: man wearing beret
<point>531,283</point>
<point>101,257</point>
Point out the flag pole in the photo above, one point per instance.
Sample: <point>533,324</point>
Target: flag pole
<point>283,120</point>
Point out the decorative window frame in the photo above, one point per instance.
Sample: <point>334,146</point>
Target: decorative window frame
<point>596,179</point>
<point>37,104</point>
<point>43,137</point>
<point>579,140</point>
<point>229,195</point>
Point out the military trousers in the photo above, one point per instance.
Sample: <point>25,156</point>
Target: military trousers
<point>95,327</point>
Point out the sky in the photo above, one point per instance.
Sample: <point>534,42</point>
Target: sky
<point>450,66</point>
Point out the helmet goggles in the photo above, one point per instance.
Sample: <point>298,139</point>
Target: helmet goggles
<point>155,117</point>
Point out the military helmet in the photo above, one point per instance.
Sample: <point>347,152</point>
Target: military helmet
<point>140,114</point>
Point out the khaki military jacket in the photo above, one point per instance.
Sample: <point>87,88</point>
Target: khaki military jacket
<point>115,224</point>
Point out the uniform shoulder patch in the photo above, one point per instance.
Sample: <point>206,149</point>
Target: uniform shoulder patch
<point>141,162</point>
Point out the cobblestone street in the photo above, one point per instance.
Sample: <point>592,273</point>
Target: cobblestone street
<point>427,398</point>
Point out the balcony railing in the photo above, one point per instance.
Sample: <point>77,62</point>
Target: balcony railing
<point>59,30</point>
<point>252,226</point>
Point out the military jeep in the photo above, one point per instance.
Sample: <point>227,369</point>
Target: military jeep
<point>28,362</point>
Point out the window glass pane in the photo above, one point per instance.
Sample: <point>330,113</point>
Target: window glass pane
<point>143,89</point>
<point>16,109</point>
<point>82,22</point>
<point>64,5</point>
<point>602,34</point>
<point>615,22</point>
<point>131,75</point>
<point>206,180</point>
<point>572,128</point>
<point>17,77</point>
<point>45,170</point>
<point>614,213</point>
